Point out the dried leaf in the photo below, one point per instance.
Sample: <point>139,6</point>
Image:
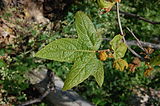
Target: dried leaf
<point>102,55</point>
<point>136,61</point>
<point>132,67</point>
<point>148,71</point>
<point>149,50</point>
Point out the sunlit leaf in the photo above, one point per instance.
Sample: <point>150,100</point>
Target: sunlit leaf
<point>120,64</point>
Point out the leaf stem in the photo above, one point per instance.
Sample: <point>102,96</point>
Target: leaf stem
<point>105,50</point>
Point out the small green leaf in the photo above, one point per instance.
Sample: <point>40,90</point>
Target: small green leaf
<point>82,69</point>
<point>87,32</point>
<point>118,46</point>
<point>155,61</point>
<point>105,4</point>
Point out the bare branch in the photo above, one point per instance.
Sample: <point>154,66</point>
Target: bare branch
<point>144,44</point>
<point>137,16</point>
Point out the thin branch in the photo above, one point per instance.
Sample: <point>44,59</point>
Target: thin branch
<point>138,41</point>
<point>137,16</point>
<point>120,26</point>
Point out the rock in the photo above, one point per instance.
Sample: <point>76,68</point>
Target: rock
<point>39,78</point>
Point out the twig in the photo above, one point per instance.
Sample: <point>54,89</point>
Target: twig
<point>137,16</point>
<point>119,20</point>
<point>120,26</point>
<point>134,43</point>
<point>138,41</point>
<point>50,87</point>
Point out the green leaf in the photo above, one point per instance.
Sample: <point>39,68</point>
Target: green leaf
<point>155,61</point>
<point>81,51</point>
<point>118,46</point>
<point>105,4</point>
<point>65,49</point>
<point>99,74</point>
<point>82,69</point>
<point>87,32</point>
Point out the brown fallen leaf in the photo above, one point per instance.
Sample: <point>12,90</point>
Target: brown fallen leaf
<point>148,71</point>
<point>135,63</point>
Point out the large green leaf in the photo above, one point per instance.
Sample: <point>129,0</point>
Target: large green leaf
<point>82,69</point>
<point>81,51</point>
<point>87,32</point>
<point>118,46</point>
